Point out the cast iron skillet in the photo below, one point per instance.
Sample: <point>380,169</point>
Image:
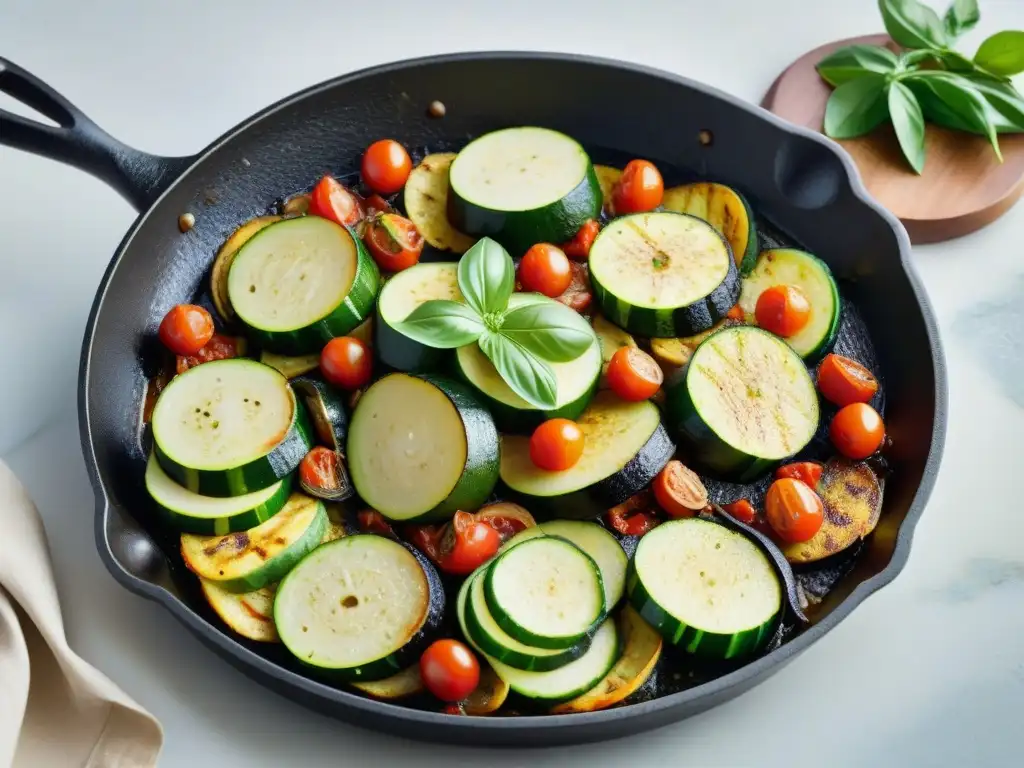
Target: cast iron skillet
<point>802,183</point>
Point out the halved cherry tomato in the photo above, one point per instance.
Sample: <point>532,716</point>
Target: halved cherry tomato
<point>449,670</point>
<point>843,381</point>
<point>545,269</point>
<point>186,328</point>
<point>372,521</point>
<point>394,242</point>
<point>806,471</point>
<point>346,362</point>
<point>634,516</point>
<point>578,295</point>
<point>857,431</point>
<point>506,518</point>
<point>633,374</point>
<point>375,204</point>
<point>330,200</point>
<point>742,510</point>
<point>556,445</point>
<point>639,189</point>
<point>468,544</point>
<point>219,347</point>
<point>678,490</point>
<point>579,246</point>
<point>782,309</point>
<point>736,313</point>
<point>794,511</point>
<point>320,469</point>
<point>386,165</point>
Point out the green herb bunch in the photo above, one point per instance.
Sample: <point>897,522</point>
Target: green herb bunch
<point>521,342</point>
<point>928,81</point>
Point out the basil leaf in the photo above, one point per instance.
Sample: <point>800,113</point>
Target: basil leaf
<point>966,103</point>
<point>955,62</point>
<point>1004,100</point>
<point>905,113</point>
<point>527,375</point>
<point>486,276</point>
<point>1003,53</point>
<point>856,107</point>
<point>913,24</point>
<point>911,59</point>
<point>852,61</point>
<point>961,16</point>
<point>549,330</point>
<point>442,324</point>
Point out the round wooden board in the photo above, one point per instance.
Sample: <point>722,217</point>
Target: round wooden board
<point>963,186</point>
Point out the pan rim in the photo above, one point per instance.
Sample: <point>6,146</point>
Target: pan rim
<point>449,727</point>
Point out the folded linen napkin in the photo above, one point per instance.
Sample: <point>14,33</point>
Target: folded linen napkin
<point>56,709</point>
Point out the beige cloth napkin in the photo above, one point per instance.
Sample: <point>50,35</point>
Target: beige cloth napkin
<point>56,709</point>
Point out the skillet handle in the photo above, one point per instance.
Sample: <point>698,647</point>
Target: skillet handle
<point>138,176</point>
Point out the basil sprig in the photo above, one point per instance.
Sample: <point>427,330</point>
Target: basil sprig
<point>520,342</point>
<point>928,82</point>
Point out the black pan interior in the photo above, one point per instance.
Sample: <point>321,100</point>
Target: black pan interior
<point>799,187</point>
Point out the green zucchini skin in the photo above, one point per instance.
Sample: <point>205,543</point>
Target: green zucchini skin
<point>326,408</point>
<point>594,500</point>
<point>669,323</point>
<point>259,473</point>
<point>557,222</point>
<point>346,317</point>
<point>397,352</point>
<point>749,260</point>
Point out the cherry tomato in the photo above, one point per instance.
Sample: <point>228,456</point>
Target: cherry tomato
<point>782,309</point>
<point>449,670</point>
<point>346,362</point>
<point>633,374</point>
<point>794,510</point>
<point>186,328</point>
<point>742,510</point>
<point>468,544</point>
<point>376,204</point>
<point>857,431</point>
<point>386,166</point>
<point>330,200</point>
<point>219,347</point>
<point>639,189</point>
<point>557,444</point>
<point>319,469</point>
<point>577,296</point>
<point>634,516</point>
<point>579,246</point>
<point>736,313</point>
<point>506,518</point>
<point>843,381</point>
<point>678,490</point>
<point>806,471</point>
<point>545,269</point>
<point>372,521</point>
<point>394,242</point>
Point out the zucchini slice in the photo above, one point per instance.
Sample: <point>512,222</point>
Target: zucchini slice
<point>852,496</point>
<point>519,538</point>
<point>302,282</point>
<point>229,427</point>
<point>426,202</point>
<point>546,592</point>
<point>744,402</point>
<point>602,547</point>
<point>607,178</point>
<point>576,382</point>
<point>522,186</point>
<point>421,447</point>
<point>673,354</point>
<point>249,560</point>
<point>641,649</point>
<point>403,293</point>
<point>612,339</point>
<point>291,366</point>
<point>568,682</point>
<point>326,408</point>
<point>663,274</point>
<point>723,208</point>
<point>489,638</point>
<point>250,614</point>
<point>359,608</point>
<point>222,263</point>
<point>707,589</point>
<point>188,512</point>
<point>402,685</point>
<point>625,446</point>
<point>812,276</point>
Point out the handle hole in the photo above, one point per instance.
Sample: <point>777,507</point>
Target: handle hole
<point>18,108</point>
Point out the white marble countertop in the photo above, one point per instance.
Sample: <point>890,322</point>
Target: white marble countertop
<point>927,672</point>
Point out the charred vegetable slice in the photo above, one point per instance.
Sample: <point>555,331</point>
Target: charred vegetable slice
<point>398,298</point>
<point>746,401</point>
<point>291,366</point>
<point>229,427</point>
<point>222,263</point>
<point>359,608</point>
<point>326,409</point>
<point>852,496</point>
<point>426,202</point>
<point>641,649</point>
<point>399,686</point>
<point>249,560</point>
<point>674,354</point>
<point>707,589</point>
<point>249,614</point>
<point>723,208</point>
<point>607,177</point>
<point>663,274</point>
<point>489,695</point>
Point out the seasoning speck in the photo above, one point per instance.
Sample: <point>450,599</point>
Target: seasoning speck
<point>706,138</point>
<point>186,221</point>
<point>246,162</point>
<point>436,109</point>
